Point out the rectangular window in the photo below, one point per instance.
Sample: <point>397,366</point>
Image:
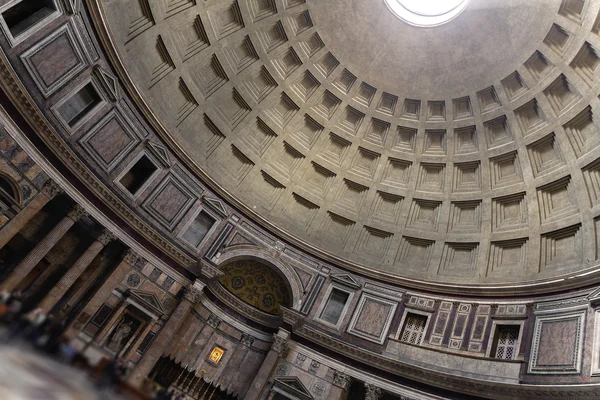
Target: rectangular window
<point>99,319</point>
<point>505,342</point>
<point>198,229</point>
<point>146,342</point>
<point>334,307</point>
<point>138,175</point>
<point>79,105</point>
<point>414,328</point>
<point>26,14</point>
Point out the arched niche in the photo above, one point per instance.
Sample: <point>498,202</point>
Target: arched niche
<point>10,192</point>
<point>287,273</point>
<point>256,284</point>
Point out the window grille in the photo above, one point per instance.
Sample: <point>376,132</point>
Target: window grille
<point>414,328</point>
<point>507,342</point>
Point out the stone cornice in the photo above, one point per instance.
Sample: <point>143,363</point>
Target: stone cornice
<point>248,311</point>
<point>454,383</point>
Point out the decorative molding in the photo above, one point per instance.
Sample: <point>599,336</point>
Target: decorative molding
<point>371,321</point>
<point>192,294</point>
<point>213,321</point>
<point>541,328</point>
<point>216,205</point>
<point>342,380</point>
<point>372,392</point>
<point>77,212</point>
<point>280,345</point>
<point>106,237</point>
<point>51,189</point>
<point>346,280</point>
<point>247,310</point>
<point>247,340</point>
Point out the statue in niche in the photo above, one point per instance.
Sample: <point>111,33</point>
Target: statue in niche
<point>120,335</point>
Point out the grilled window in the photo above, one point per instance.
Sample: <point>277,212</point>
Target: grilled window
<point>414,328</point>
<point>506,342</point>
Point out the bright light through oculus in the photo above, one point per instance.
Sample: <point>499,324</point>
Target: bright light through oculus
<point>426,12</point>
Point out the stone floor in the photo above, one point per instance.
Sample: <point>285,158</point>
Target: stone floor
<point>28,375</point>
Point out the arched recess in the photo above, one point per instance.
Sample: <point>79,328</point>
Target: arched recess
<point>287,273</point>
<point>10,192</point>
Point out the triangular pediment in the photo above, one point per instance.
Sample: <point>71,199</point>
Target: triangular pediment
<point>292,386</point>
<point>240,240</point>
<point>109,83</point>
<point>216,206</point>
<point>147,300</point>
<point>160,152</point>
<point>346,279</point>
<point>594,297</point>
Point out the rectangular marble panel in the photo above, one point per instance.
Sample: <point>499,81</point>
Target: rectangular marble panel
<point>56,59</point>
<point>372,318</point>
<point>169,202</point>
<point>557,344</point>
<point>110,140</point>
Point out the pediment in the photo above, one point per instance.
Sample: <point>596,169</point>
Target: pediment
<point>216,205</point>
<point>291,385</point>
<point>160,152</point>
<point>346,279</point>
<point>241,240</point>
<point>108,82</point>
<point>147,300</point>
<point>594,297</point>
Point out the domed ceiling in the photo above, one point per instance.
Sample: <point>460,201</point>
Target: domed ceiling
<point>463,153</point>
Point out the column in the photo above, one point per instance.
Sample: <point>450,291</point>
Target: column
<point>130,259</point>
<point>341,384</point>
<point>14,226</point>
<point>69,278</point>
<point>142,369</point>
<point>42,248</point>
<point>372,392</point>
<point>278,349</point>
<point>131,351</point>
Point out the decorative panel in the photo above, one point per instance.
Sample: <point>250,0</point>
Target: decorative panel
<point>557,344</point>
<point>372,318</point>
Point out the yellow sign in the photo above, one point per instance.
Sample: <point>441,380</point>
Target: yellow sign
<point>216,354</point>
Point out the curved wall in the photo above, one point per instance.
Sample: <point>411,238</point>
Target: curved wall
<point>556,353</point>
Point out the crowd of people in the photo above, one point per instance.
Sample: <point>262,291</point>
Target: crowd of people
<point>45,333</point>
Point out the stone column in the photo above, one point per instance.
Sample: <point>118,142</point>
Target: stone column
<point>341,384</point>
<point>69,278</point>
<point>130,259</point>
<point>278,349</point>
<point>142,369</point>
<point>131,351</point>
<point>42,248</point>
<point>372,392</point>
<point>14,226</point>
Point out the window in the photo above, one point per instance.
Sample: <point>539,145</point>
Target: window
<point>138,175</point>
<point>198,229</point>
<point>146,343</point>
<point>506,342</point>
<point>426,12</point>
<point>335,306</point>
<point>99,319</point>
<point>414,328</point>
<point>26,14</point>
<point>79,105</point>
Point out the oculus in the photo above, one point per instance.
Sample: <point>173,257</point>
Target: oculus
<point>426,13</point>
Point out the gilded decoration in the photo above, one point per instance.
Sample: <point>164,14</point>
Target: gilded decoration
<point>255,284</point>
